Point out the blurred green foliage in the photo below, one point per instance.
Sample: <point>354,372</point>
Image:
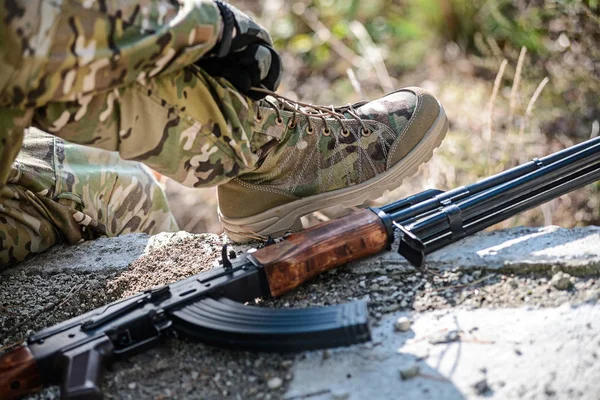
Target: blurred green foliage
<point>562,38</point>
<point>412,27</point>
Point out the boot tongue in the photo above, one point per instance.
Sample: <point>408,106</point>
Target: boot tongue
<point>372,109</point>
<point>397,105</point>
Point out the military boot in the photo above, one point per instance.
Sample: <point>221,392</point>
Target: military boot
<point>313,157</point>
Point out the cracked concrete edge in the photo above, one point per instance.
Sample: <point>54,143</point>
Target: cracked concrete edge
<point>521,249</point>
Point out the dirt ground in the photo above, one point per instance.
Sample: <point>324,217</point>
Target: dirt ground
<point>33,297</point>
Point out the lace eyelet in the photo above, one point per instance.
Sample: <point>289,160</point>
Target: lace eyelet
<point>365,133</point>
<point>345,133</point>
<point>258,118</point>
<point>310,130</point>
<point>279,121</point>
<point>326,131</point>
<point>292,124</point>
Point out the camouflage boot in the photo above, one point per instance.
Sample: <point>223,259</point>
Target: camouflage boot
<point>325,156</point>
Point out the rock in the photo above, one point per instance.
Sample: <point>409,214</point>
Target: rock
<point>275,383</point>
<point>132,385</point>
<point>561,281</point>
<point>402,324</point>
<point>482,387</point>
<point>513,283</point>
<point>410,372</point>
<point>374,287</point>
<point>445,337</point>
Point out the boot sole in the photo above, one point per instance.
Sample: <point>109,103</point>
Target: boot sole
<point>279,220</point>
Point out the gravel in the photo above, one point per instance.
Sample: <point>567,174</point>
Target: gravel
<point>32,297</point>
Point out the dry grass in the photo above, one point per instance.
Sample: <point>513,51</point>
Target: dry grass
<point>496,121</point>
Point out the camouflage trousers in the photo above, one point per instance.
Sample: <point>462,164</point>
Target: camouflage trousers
<point>118,76</point>
<point>63,192</point>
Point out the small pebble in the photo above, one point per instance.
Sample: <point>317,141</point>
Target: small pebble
<point>410,372</point>
<point>482,387</point>
<point>132,385</point>
<point>402,324</point>
<point>513,283</point>
<point>561,281</point>
<point>444,337</point>
<point>274,383</point>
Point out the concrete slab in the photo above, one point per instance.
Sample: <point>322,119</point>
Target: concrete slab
<point>519,353</point>
<point>483,282</point>
<point>522,249</point>
<point>97,255</point>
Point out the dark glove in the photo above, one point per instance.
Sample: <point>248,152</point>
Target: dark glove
<point>244,55</point>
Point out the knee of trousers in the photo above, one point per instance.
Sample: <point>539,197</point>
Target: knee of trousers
<point>24,229</point>
<point>62,192</point>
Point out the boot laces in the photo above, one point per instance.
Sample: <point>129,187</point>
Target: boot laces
<point>309,111</point>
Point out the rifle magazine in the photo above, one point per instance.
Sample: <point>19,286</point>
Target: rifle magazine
<point>225,323</point>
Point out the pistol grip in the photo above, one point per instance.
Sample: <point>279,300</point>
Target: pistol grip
<point>83,368</point>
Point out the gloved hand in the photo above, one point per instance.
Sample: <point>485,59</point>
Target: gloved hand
<point>244,55</point>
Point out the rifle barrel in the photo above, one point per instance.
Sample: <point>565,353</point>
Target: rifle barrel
<point>549,192</point>
<point>481,203</point>
<point>451,221</point>
<point>399,211</point>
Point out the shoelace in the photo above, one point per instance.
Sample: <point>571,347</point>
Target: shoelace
<point>309,111</point>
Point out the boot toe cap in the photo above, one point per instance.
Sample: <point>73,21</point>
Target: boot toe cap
<point>425,115</point>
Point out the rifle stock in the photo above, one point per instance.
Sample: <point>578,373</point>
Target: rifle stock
<point>19,374</point>
<point>306,254</point>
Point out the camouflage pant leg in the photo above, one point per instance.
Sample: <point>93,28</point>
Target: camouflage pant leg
<point>187,125</point>
<point>62,192</point>
<point>69,51</point>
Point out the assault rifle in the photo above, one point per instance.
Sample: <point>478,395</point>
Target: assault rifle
<point>208,306</point>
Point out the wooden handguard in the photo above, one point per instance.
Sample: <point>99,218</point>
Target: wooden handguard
<point>19,374</point>
<point>308,253</point>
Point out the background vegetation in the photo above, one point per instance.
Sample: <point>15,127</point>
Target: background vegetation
<point>518,79</point>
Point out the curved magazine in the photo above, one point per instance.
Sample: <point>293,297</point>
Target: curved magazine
<point>225,323</point>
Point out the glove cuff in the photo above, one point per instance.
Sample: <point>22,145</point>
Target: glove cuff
<point>222,48</point>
